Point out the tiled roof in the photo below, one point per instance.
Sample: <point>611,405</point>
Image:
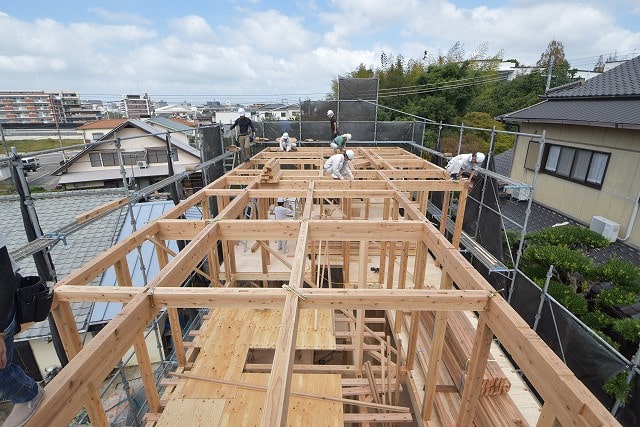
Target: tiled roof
<point>171,123</point>
<point>56,211</point>
<point>102,124</point>
<point>611,99</point>
<point>184,122</point>
<point>621,81</point>
<point>610,112</point>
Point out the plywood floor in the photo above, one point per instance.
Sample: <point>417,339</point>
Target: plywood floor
<point>225,341</point>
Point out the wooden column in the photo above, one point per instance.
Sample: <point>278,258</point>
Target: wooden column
<point>462,201</point>
<point>172,313</point>
<point>402,279</point>
<point>477,366</point>
<point>546,418</point>
<point>146,372</point>
<point>420,263</point>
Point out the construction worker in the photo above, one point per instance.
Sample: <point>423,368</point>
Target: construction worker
<point>244,136</point>
<point>464,164</point>
<point>15,384</point>
<point>286,143</point>
<point>281,212</point>
<point>338,165</point>
<point>334,124</point>
<point>339,143</point>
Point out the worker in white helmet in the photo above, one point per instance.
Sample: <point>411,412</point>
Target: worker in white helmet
<point>287,143</point>
<point>339,143</point>
<point>244,136</point>
<point>281,212</point>
<point>334,124</point>
<point>338,165</point>
<point>464,165</point>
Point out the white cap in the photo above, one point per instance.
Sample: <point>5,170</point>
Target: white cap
<point>479,158</point>
<point>350,154</point>
<point>241,111</point>
<point>330,113</point>
<point>285,135</point>
<point>347,136</point>
<point>280,199</point>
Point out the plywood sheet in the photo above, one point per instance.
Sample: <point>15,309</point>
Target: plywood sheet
<point>192,412</point>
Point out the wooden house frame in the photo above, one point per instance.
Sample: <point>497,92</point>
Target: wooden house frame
<point>376,221</point>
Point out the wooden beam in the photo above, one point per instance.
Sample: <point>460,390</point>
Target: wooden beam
<point>85,373</point>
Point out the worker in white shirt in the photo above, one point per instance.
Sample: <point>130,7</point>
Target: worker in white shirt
<point>286,143</point>
<point>338,165</point>
<point>464,164</point>
<point>281,212</point>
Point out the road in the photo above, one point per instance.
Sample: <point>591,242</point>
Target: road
<point>42,177</point>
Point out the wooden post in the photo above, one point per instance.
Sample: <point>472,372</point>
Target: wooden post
<point>477,366</point>
<point>146,372</point>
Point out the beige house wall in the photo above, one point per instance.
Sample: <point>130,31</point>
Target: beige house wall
<point>621,187</point>
<point>141,142</point>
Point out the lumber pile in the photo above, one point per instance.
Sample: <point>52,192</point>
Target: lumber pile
<point>271,172</point>
<point>456,353</point>
<point>493,409</point>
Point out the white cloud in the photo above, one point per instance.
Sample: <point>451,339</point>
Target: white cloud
<point>192,26</point>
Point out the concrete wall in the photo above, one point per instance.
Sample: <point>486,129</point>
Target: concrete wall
<point>621,186</point>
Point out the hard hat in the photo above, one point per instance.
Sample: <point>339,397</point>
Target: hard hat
<point>280,199</point>
<point>347,136</point>
<point>350,154</point>
<point>479,158</point>
<point>241,111</point>
<point>285,135</point>
<point>330,113</point>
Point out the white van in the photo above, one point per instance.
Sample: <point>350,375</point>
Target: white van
<point>30,164</point>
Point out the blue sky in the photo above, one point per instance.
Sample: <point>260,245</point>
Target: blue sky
<point>252,50</point>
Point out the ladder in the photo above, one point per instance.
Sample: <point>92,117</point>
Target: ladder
<point>230,162</point>
<point>250,213</point>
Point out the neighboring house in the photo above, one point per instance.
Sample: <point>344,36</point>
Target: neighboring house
<point>176,110</point>
<point>144,153</point>
<point>590,165</point>
<point>93,131</point>
<point>277,112</point>
<point>180,130</point>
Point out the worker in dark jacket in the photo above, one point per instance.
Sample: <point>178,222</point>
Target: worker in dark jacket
<point>244,136</point>
<point>15,385</point>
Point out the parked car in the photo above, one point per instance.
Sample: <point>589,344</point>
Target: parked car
<point>30,164</point>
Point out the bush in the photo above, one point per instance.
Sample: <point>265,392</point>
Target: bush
<point>597,320</point>
<point>575,303</point>
<point>563,259</point>
<point>570,236</point>
<point>617,387</point>
<point>615,296</point>
<point>533,271</point>
<point>620,272</point>
<point>628,328</point>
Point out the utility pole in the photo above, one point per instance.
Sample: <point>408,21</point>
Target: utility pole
<point>549,72</point>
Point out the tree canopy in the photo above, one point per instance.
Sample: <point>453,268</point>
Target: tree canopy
<point>455,87</point>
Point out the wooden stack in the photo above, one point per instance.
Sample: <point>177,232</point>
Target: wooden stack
<point>271,172</point>
<point>456,353</point>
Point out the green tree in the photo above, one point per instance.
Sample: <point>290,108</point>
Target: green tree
<point>553,62</point>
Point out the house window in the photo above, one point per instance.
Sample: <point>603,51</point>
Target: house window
<point>160,156</point>
<point>95,159</point>
<point>109,159</point>
<point>97,135</point>
<point>574,164</point>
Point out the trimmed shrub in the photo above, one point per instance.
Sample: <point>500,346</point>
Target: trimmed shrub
<point>628,328</point>
<point>570,236</point>
<point>620,272</point>
<point>597,320</point>
<point>563,259</point>
<point>617,387</point>
<point>615,296</point>
<point>575,303</point>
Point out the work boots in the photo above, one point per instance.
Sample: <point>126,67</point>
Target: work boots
<point>22,412</point>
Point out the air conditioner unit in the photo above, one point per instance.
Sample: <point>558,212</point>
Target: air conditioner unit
<point>605,227</point>
<point>520,193</point>
<point>142,164</point>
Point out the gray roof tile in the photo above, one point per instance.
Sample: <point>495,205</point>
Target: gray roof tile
<point>621,81</point>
